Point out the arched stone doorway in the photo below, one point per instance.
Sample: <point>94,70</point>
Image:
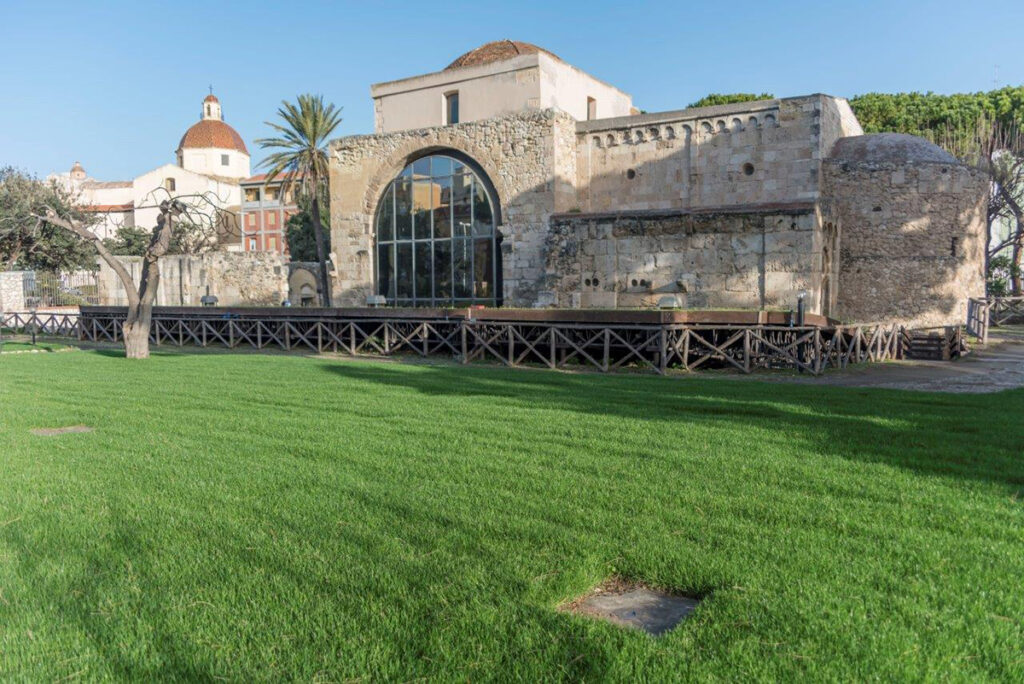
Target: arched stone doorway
<point>302,281</point>
<point>436,235</point>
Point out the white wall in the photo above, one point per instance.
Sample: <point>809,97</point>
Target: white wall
<point>108,222</point>
<point>146,196</point>
<point>535,81</point>
<point>208,160</point>
<point>565,87</point>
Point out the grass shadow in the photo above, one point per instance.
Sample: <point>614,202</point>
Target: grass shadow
<point>964,436</point>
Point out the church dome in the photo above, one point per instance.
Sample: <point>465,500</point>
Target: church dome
<point>889,148</point>
<point>211,131</point>
<point>497,51</point>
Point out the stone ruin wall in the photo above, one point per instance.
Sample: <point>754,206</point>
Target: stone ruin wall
<point>529,157</point>
<point>912,246</point>
<point>12,291</point>
<point>235,278</point>
<point>742,154</point>
<point>716,259</point>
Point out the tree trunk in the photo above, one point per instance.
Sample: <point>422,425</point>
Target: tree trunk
<point>324,286</point>
<point>1015,274</point>
<point>136,331</point>
<point>1018,240</point>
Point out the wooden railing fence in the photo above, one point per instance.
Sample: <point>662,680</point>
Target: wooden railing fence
<point>601,346</point>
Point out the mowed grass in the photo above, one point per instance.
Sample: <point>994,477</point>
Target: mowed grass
<point>25,346</point>
<point>270,517</point>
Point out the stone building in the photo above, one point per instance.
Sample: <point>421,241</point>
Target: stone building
<point>511,178</point>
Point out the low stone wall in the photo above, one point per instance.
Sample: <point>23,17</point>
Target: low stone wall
<point>235,278</point>
<point>750,259</point>
<point>12,290</point>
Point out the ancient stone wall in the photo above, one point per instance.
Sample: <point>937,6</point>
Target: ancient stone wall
<point>768,151</point>
<point>235,278</point>
<point>738,258</point>
<point>528,158</point>
<point>912,240</point>
<point>12,291</point>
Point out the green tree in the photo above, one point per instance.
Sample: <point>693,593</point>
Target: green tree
<point>728,98</point>
<point>937,117</point>
<point>301,159</point>
<point>300,232</point>
<point>129,241</point>
<point>26,242</point>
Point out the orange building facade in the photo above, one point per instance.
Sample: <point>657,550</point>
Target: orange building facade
<point>266,208</point>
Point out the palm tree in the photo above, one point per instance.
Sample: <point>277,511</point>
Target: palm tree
<point>301,159</point>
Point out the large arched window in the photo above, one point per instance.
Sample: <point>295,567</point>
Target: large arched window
<point>436,237</point>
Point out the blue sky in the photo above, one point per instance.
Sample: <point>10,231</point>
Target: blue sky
<point>115,84</point>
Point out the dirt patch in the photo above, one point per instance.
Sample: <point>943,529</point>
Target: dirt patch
<point>50,432</point>
<point>633,604</point>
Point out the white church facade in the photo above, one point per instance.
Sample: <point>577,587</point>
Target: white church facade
<point>211,159</point>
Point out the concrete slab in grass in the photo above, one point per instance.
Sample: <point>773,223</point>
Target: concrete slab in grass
<point>652,611</point>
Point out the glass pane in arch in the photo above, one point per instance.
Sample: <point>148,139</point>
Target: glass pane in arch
<point>386,216</point>
<point>483,217</point>
<point>462,205</point>
<point>403,210</point>
<point>443,207</point>
<point>435,235</point>
<point>422,207</point>
<point>483,269</point>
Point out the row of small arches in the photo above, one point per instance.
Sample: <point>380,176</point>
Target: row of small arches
<point>652,133</point>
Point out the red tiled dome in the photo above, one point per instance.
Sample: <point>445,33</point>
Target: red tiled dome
<point>213,133</point>
<point>497,51</point>
<point>211,98</point>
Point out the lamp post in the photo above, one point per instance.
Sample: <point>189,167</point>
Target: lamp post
<point>801,348</point>
<point>33,320</point>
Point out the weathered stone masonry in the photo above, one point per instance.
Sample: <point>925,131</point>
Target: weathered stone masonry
<point>913,240</point>
<point>735,206</point>
<point>730,258</point>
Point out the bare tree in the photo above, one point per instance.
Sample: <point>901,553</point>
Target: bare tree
<point>203,215</point>
<point>997,149</point>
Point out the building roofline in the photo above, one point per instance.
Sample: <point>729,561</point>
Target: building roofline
<point>691,113</point>
<point>470,73</point>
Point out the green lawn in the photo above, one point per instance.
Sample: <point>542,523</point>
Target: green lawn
<point>21,345</point>
<point>269,516</point>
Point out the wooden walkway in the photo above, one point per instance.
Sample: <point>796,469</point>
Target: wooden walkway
<point>602,341</point>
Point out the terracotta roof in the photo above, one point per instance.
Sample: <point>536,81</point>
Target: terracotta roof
<point>211,98</point>
<point>497,51</point>
<point>108,207</point>
<point>102,185</point>
<point>213,133</point>
<point>262,177</point>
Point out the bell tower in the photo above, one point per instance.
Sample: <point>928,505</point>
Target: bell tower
<point>211,108</point>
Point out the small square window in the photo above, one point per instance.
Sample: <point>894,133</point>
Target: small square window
<point>169,184</point>
<point>252,244</point>
<point>224,160</point>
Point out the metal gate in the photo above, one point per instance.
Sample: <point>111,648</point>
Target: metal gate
<point>48,289</point>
